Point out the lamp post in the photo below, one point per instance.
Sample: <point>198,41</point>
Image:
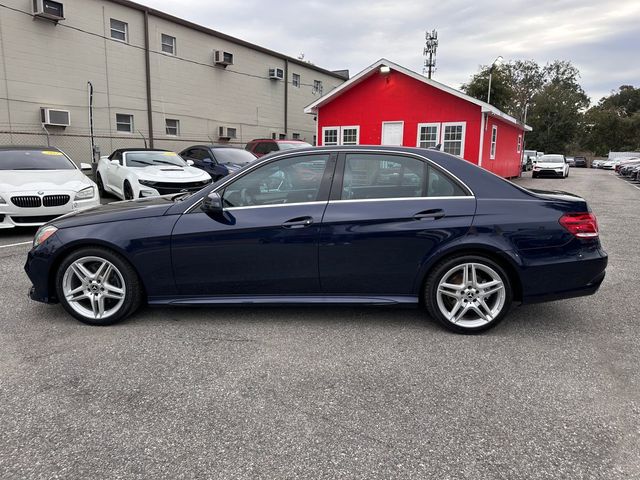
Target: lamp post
<point>496,62</point>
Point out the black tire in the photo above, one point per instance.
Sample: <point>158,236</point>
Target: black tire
<point>533,175</point>
<point>441,269</point>
<point>127,191</point>
<point>101,190</point>
<point>132,286</point>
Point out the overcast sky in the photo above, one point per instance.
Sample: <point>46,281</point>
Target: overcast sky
<point>601,38</point>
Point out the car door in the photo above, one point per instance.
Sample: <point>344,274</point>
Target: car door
<point>115,173</point>
<point>387,214</point>
<point>266,243</point>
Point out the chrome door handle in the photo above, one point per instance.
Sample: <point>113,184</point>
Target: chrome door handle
<point>434,214</point>
<point>299,222</point>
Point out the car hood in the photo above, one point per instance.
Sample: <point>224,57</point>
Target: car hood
<point>126,210</point>
<point>159,173</point>
<point>43,180</point>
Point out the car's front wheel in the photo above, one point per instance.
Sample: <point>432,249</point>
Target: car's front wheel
<point>468,294</point>
<point>128,191</point>
<point>98,286</point>
<point>100,184</point>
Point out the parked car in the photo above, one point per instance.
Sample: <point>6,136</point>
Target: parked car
<point>597,163</point>
<point>38,184</point>
<point>635,174</point>
<point>218,161</point>
<point>620,166</point>
<point>609,164</point>
<point>442,234</point>
<point>551,165</point>
<point>527,163</point>
<point>263,146</point>
<point>580,162</point>
<point>130,173</point>
<point>571,161</point>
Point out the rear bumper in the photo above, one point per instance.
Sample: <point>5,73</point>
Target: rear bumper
<point>568,278</point>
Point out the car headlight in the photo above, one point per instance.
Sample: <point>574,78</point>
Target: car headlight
<point>85,194</point>
<point>43,234</point>
<point>147,183</point>
<point>2,201</point>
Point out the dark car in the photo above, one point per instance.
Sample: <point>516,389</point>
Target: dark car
<point>580,162</point>
<point>217,161</point>
<point>263,146</point>
<point>332,225</point>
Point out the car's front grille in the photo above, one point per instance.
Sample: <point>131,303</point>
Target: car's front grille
<point>55,200</point>
<point>27,201</point>
<point>35,219</point>
<point>166,188</point>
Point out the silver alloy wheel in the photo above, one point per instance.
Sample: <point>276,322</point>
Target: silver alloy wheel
<point>471,295</point>
<point>93,287</point>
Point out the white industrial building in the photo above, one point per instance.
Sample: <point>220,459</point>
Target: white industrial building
<point>155,78</point>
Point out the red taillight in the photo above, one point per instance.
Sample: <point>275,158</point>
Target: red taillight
<point>582,225</point>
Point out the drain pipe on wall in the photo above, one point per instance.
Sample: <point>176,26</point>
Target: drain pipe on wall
<point>286,98</point>
<point>148,75</point>
<point>94,164</point>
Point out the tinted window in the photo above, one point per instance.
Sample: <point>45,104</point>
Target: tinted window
<point>197,154</point>
<point>265,147</point>
<point>441,185</point>
<point>551,159</point>
<point>382,176</point>
<point>233,155</point>
<point>34,160</point>
<point>290,180</point>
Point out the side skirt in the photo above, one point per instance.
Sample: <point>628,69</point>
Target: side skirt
<point>286,300</point>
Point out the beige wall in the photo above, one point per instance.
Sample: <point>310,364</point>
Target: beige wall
<point>44,64</point>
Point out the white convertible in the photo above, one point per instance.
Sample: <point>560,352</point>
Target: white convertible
<point>38,184</point>
<point>135,173</point>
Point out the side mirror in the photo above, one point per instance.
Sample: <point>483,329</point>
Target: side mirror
<point>85,166</point>
<point>190,163</point>
<point>115,162</point>
<point>207,160</point>
<point>212,204</point>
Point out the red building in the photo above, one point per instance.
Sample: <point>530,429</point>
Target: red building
<point>387,104</point>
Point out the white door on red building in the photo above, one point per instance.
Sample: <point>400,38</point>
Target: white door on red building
<point>392,133</point>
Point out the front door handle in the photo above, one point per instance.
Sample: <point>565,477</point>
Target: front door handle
<point>299,222</point>
<point>434,214</point>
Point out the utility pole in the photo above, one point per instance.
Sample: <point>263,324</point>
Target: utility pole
<point>429,52</point>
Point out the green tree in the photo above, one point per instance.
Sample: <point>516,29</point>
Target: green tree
<point>501,93</point>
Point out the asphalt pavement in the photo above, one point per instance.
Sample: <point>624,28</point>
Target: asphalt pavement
<point>326,393</point>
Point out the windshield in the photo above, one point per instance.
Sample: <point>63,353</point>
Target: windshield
<point>34,160</point>
<point>234,155</point>
<point>551,159</point>
<point>292,145</point>
<point>146,159</point>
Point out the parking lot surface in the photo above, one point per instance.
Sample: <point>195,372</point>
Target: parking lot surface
<point>314,393</point>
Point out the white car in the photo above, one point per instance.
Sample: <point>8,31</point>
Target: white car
<point>551,165</point>
<point>135,173</point>
<point>38,184</point>
<point>610,164</point>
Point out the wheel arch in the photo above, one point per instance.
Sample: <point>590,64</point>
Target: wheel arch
<point>88,243</point>
<point>505,259</point>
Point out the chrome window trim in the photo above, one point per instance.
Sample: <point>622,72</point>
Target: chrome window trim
<point>395,199</point>
<point>338,150</point>
<point>293,204</point>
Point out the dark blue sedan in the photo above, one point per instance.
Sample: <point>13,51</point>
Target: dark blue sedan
<point>218,161</point>
<point>334,225</point>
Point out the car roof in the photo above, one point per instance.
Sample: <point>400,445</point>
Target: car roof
<point>123,150</point>
<point>214,146</point>
<point>28,147</point>
<point>276,141</point>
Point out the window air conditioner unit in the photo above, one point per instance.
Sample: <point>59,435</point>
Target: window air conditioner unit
<point>56,118</point>
<point>222,58</point>
<point>48,9</point>
<point>276,74</point>
<point>226,133</point>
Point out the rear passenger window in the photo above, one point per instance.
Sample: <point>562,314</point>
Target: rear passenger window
<point>440,185</point>
<point>369,176</point>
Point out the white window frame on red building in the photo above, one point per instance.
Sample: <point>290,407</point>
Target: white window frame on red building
<point>519,148</point>
<point>443,130</point>
<point>419,140</point>
<point>340,131</point>
<point>494,142</point>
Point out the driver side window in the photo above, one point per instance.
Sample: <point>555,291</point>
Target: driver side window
<point>290,180</point>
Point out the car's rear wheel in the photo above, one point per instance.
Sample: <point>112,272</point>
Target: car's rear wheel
<point>468,294</point>
<point>98,286</point>
<point>128,191</point>
<point>534,175</point>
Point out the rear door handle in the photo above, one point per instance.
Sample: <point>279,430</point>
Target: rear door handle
<point>299,222</point>
<point>434,214</point>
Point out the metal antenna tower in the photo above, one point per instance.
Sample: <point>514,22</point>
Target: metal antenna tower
<point>429,52</point>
